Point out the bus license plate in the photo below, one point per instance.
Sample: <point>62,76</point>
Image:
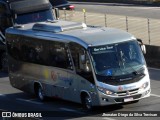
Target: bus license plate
<point>128,99</point>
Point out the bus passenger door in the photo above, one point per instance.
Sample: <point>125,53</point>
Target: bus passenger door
<point>83,76</point>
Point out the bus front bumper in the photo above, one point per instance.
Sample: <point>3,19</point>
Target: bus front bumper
<point>111,99</point>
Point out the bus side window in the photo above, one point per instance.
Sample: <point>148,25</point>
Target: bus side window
<point>32,51</point>
<point>59,55</point>
<point>77,52</point>
<point>13,48</point>
<point>5,17</point>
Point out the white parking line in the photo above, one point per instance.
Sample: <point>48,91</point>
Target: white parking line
<point>71,110</point>
<point>29,101</point>
<point>155,95</point>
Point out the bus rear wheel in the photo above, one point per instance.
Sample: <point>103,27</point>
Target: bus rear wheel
<point>40,93</point>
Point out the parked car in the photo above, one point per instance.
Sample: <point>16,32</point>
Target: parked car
<point>62,4</point>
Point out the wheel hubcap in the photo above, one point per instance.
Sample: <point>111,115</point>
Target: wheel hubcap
<point>41,94</point>
<point>88,102</point>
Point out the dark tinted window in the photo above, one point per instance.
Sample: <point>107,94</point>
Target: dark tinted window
<point>13,47</point>
<point>59,55</point>
<point>33,51</point>
<point>39,16</point>
<point>5,17</point>
<point>3,7</point>
<point>48,53</point>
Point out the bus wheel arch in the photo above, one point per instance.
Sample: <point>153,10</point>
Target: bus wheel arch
<point>38,89</point>
<point>86,100</point>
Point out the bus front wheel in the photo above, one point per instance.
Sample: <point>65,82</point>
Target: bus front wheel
<point>87,102</point>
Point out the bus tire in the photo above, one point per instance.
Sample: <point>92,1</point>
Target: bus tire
<point>86,101</point>
<point>40,93</point>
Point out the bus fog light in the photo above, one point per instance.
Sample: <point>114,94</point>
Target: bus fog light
<point>105,91</point>
<point>105,99</point>
<point>147,92</point>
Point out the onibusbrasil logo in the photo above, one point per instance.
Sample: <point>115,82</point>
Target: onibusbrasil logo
<point>24,114</point>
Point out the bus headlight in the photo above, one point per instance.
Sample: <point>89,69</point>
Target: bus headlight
<point>144,86</point>
<point>105,91</point>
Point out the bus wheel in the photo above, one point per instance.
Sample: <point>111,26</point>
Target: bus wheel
<point>87,102</point>
<point>4,62</point>
<point>40,93</point>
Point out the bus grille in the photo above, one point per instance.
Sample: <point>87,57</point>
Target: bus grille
<point>129,92</point>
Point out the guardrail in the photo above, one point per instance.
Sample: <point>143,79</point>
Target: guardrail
<point>145,28</point>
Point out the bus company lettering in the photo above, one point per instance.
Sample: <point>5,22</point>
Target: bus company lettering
<point>99,49</point>
<point>125,79</point>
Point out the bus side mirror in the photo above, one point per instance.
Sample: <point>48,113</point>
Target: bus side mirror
<point>143,47</point>
<point>83,59</point>
<point>57,13</point>
<point>87,66</point>
<point>14,16</point>
<point>85,63</point>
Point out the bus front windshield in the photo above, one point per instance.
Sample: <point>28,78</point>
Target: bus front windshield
<point>31,17</point>
<point>117,59</point>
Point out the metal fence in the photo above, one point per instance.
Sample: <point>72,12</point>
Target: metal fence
<point>145,28</point>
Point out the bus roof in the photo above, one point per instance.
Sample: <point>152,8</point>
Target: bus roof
<point>73,32</point>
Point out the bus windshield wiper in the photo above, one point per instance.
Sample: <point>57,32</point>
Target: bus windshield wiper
<point>107,77</point>
<point>138,72</point>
